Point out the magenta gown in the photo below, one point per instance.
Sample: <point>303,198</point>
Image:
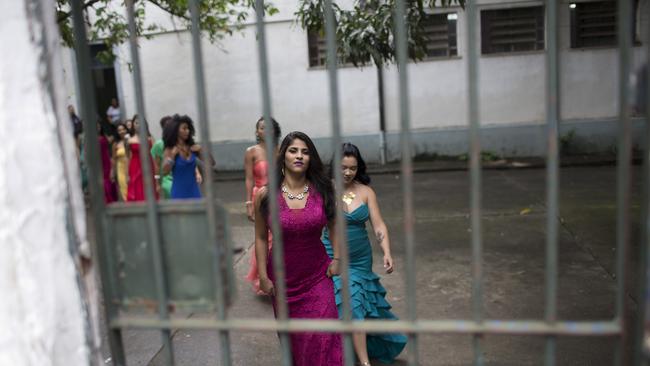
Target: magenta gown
<point>310,293</point>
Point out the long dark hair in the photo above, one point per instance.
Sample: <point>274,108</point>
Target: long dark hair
<point>118,138</point>
<point>170,133</point>
<point>350,149</point>
<point>136,131</point>
<point>276,129</point>
<point>315,174</point>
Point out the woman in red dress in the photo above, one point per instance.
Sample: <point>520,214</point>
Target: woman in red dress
<point>135,190</point>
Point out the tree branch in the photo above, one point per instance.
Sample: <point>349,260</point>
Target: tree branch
<point>156,3</point>
<point>67,15</point>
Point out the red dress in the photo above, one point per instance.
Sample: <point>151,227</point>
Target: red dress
<point>135,190</point>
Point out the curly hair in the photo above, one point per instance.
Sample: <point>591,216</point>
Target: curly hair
<point>170,133</point>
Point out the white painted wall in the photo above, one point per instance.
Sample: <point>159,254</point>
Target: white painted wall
<point>511,86</point>
<point>41,314</point>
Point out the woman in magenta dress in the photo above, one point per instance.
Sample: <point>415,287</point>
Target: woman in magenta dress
<point>306,205</point>
<point>135,190</point>
<point>110,190</point>
<point>256,166</point>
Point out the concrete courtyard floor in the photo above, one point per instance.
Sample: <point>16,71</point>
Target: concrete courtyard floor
<point>514,234</point>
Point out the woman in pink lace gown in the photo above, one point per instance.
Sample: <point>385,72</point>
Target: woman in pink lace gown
<point>256,167</point>
<point>306,206</point>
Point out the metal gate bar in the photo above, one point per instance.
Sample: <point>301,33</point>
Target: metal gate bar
<point>623,177</point>
<point>92,156</point>
<point>550,327</point>
<point>475,177</point>
<point>341,224</point>
<point>407,176</point>
<point>552,176</point>
<point>153,220</point>
<point>209,199</point>
<point>278,259</point>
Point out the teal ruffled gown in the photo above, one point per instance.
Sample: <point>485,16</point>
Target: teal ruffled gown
<point>367,294</point>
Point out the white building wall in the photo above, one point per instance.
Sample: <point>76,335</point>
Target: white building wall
<point>512,86</point>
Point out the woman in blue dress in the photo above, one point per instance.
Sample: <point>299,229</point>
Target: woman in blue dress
<point>181,158</point>
<point>367,294</point>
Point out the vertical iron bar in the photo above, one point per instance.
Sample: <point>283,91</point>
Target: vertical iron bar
<point>204,130</point>
<point>153,222</point>
<point>332,60</point>
<point>407,173</point>
<point>552,173</point>
<point>95,185</point>
<point>623,176</point>
<point>278,245</point>
<point>644,295</point>
<point>475,177</point>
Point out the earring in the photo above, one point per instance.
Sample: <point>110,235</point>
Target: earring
<point>283,171</point>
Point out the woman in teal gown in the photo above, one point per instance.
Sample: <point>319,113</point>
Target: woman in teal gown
<point>367,294</point>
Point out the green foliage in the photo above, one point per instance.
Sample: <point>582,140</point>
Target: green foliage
<point>366,32</point>
<point>109,25</point>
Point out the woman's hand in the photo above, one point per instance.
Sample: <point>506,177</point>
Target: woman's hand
<point>175,151</point>
<point>333,269</point>
<point>388,263</point>
<point>266,285</point>
<point>199,178</point>
<point>196,148</point>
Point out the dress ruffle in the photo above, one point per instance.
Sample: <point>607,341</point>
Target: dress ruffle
<point>368,301</point>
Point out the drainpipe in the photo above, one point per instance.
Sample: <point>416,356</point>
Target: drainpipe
<point>382,117</point>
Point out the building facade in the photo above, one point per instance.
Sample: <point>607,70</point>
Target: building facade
<point>511,44</point>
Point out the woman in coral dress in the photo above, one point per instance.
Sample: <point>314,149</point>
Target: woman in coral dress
<point>256,168</point>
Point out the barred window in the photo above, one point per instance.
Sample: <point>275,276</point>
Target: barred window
<point>594,23</point>
<point>317,49</point>
<point>512,30</point>
<point>440,34</point>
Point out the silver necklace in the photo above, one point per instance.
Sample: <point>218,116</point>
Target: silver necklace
<point>298,196</point>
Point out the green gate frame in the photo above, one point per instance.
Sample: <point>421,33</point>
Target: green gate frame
<point>133,245</point>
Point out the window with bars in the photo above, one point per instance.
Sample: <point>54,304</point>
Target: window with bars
<point>317,49</point>
<point>512,30</point>
<point>440,34</point>
<point>593,24</point>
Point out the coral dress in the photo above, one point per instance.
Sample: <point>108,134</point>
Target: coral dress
<point>135,191</point>
<point>122,171</point>
<point>310,293</point>
<point>260,175</point>
<point>110,193</point>
<point>367,294</point>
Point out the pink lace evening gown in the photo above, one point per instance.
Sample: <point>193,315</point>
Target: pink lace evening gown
<point>310,293</point>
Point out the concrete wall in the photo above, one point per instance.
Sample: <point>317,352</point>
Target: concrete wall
<point>41,315</point>
<point>511,87</point>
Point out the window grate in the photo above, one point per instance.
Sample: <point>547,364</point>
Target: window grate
<point>440,34</point>
<point>512,30</point>
<point>593,24</point>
